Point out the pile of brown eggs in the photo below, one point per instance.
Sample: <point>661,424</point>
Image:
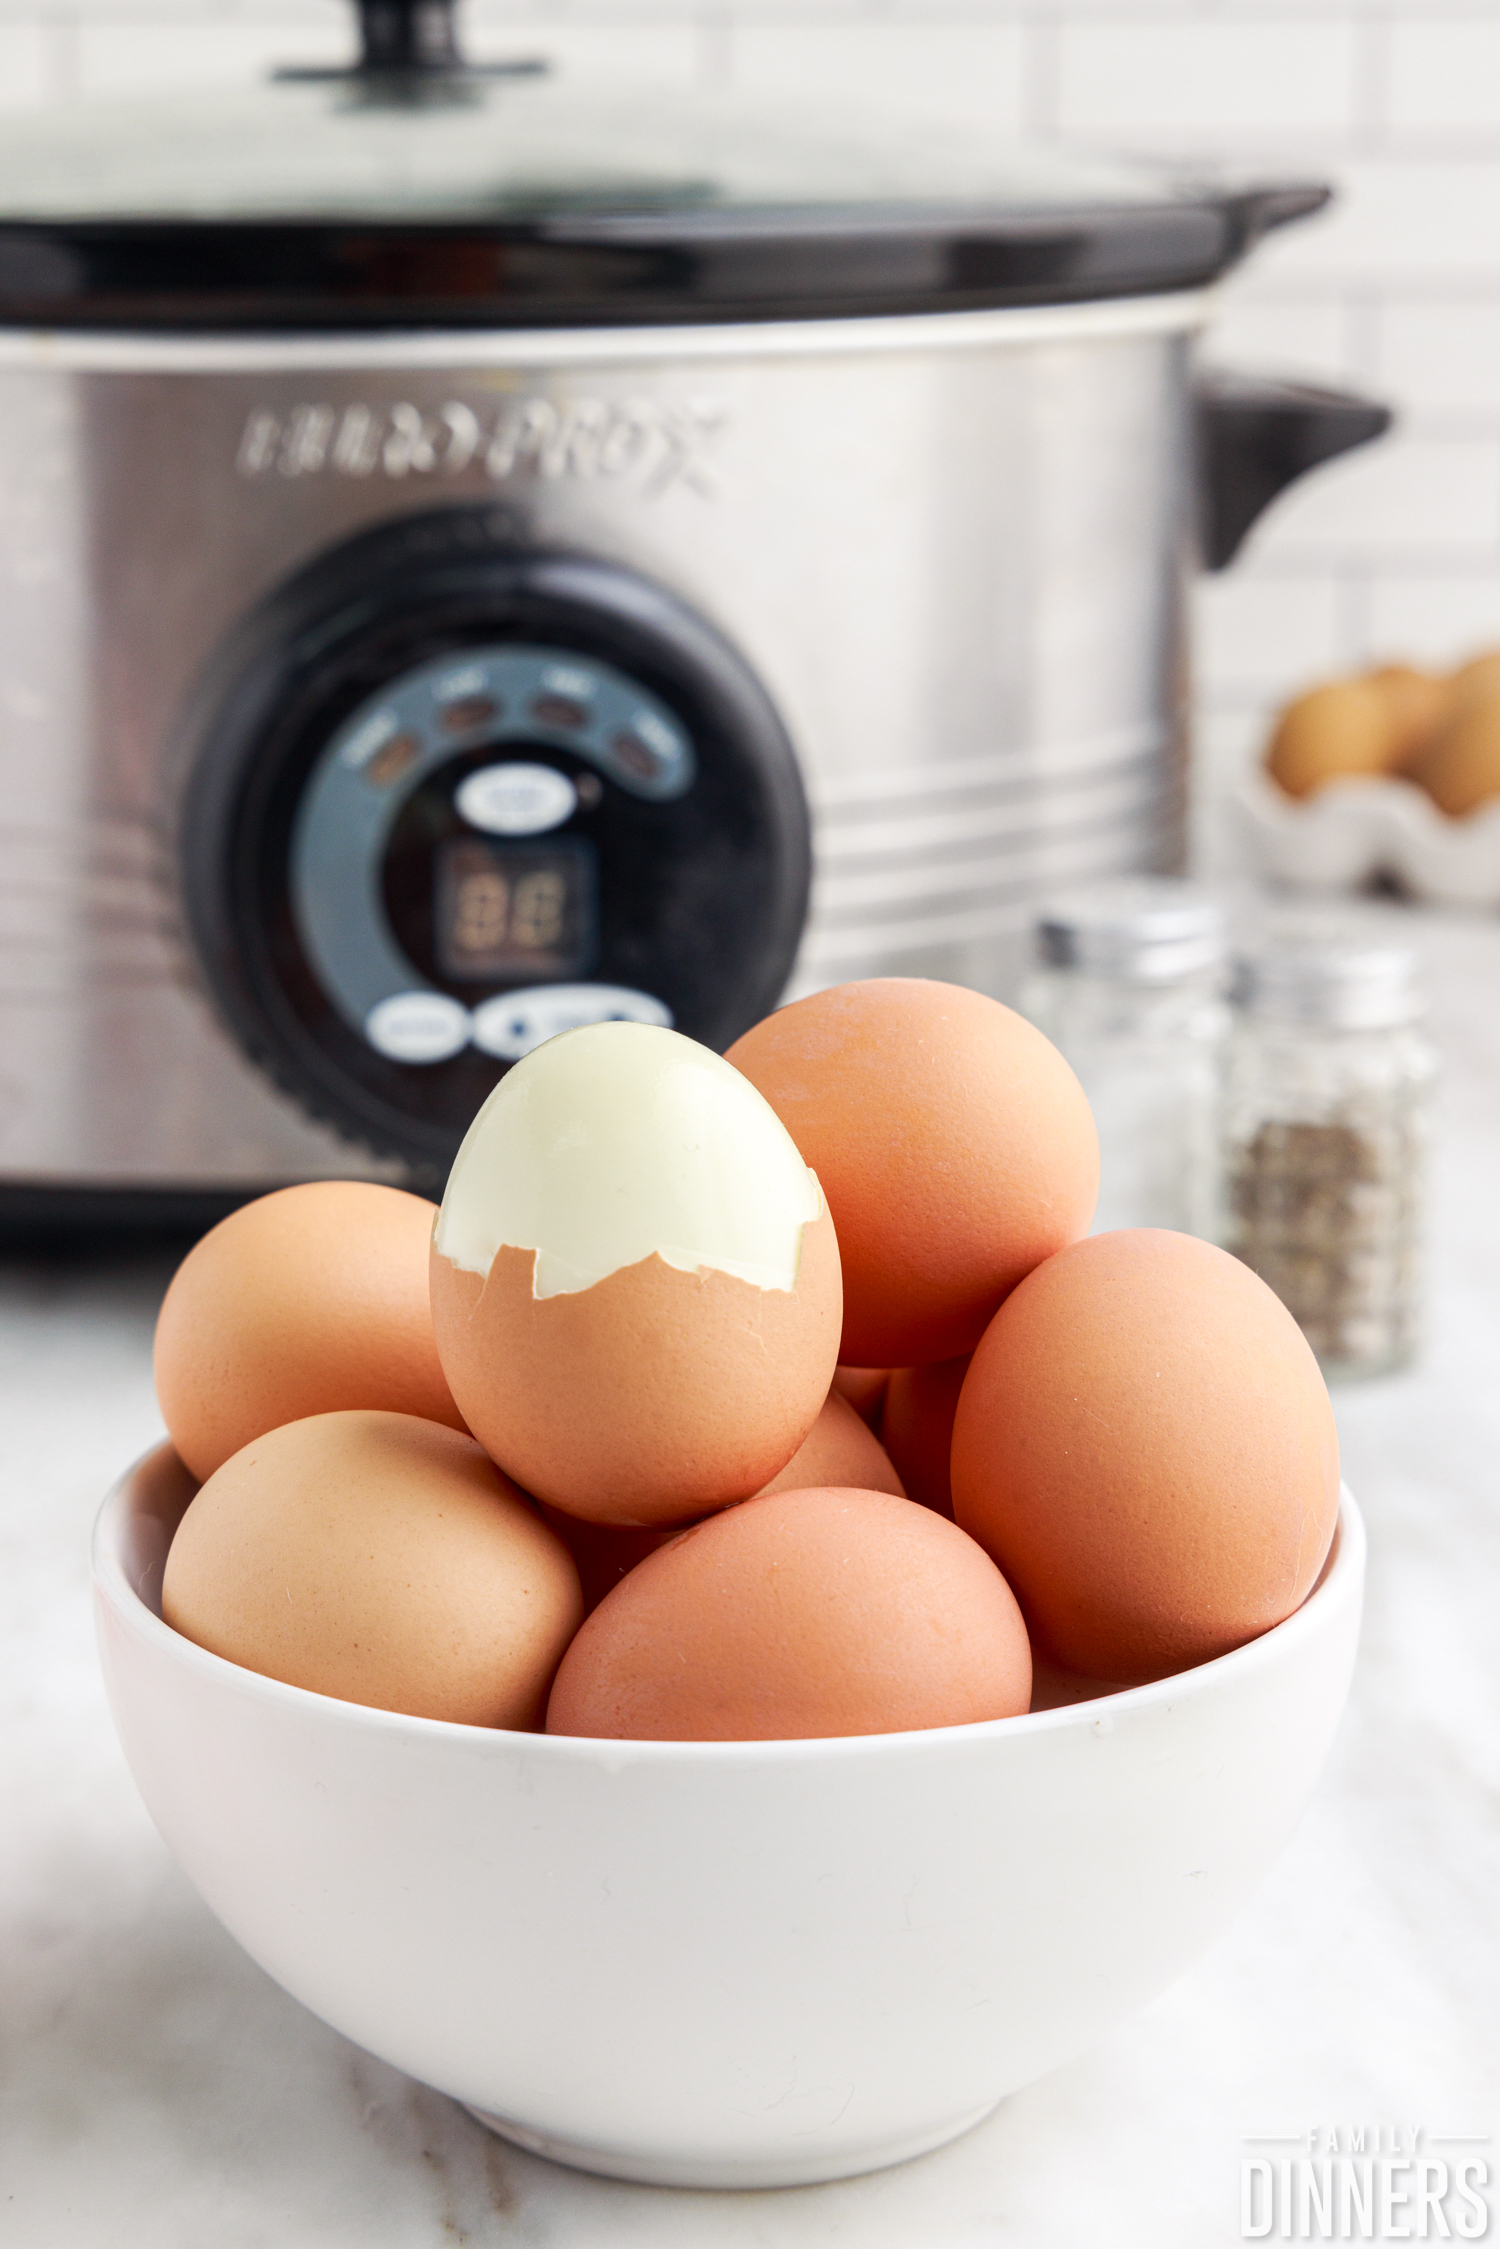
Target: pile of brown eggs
<point>1441,732</point>
<point>769,1396</point>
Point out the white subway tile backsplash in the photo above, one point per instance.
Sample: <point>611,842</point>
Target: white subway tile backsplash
<point>1229,738</point>
<point>24,61</point>
<point>1308,340</point>
<point>1395,220</point>
<point>1444,77</point>
<point>965,74</point>
<point>662,51</point>
<point>1441,358</point>
<point>1261,637</point>
<point>1200,83</point>
<point>1401,495</point>
<point>1437,620</point>
<point>167,55</point>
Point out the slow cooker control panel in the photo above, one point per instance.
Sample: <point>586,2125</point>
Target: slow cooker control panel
<point>458,839</point>
<point>438,813</point>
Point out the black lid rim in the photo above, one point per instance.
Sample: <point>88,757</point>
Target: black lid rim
<point>619,270</point>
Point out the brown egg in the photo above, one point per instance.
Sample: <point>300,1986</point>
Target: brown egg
<point>919,1409</point>
<point>653,1397</point>
<point>603,1552</point>
<point>1477,681</point>
<point>801,1614</point>
<point>1418,703</point>
<point>864,1389</point>
<point>1145,1446</point>
<point>952,1141</point>
<point>1052,1688</point>
<point>1461,769</point>
<point>1334,733</point>
<point>379,1559</point>
<point>838,1449</point>
<point>634,1279</point>
<point>306,1301</point>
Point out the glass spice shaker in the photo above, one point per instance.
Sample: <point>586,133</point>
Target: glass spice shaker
<point>1129,986</point>
<point>1326,1102</point>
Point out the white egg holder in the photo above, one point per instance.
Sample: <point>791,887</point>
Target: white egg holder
<point>1355,829</point>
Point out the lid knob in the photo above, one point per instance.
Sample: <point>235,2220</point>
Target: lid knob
<point>409,52</point>
<point>408,35</point>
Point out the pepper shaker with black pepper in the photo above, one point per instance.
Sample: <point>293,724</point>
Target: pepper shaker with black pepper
<point>1327,1092</point>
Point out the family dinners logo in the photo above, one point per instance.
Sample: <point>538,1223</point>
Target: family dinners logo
<point>1365,2182</point>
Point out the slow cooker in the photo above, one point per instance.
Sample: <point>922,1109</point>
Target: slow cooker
<point>483,554</point>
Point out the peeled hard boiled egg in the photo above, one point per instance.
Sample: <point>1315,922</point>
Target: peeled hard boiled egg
<point>952,1140</point>
<point>379,1559</point>
<point>1145,1446</point>
<point>801,1614</point>
<point>306,1301</point>
<point>635,1280</point>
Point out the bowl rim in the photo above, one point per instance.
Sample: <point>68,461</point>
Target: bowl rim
<point>1341,1576</point>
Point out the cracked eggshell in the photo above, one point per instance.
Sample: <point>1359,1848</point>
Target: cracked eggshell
<point>800,1615</point>
<point>635,1282</point>
<point>651,1398</point>
<point>1145,1446</point>
<point>382,1560</point>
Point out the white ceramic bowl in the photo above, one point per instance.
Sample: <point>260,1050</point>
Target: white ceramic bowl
<point>718,1963</point>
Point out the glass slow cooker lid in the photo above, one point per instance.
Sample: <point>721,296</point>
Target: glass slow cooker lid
<point>412,189</point>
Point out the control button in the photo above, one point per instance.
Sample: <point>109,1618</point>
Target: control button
<point>467,712</point>
<point>396,757</point>
<point>418,1027</point>
<point>515,800</point>
<point>636,757</point>
<point>650,756</point>
<point>513,1024</point>
<point>576,680</point>
<point>559,710</point>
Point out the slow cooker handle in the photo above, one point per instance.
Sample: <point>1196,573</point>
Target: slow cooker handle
<point>1256,436</point>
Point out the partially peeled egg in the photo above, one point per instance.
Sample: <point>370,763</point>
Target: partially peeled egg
<point>635,1281</point>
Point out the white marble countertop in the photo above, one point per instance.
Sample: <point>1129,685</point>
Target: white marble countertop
<point>158,2092</point>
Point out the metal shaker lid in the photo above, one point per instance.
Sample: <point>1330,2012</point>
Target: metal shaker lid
<point>1142,930</point>
<point>411,188</point>
<point>1329,976</point>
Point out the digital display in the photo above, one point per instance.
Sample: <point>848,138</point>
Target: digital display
<point>506,913</point>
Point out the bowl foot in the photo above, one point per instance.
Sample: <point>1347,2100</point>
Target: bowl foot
<point>784,2168</point>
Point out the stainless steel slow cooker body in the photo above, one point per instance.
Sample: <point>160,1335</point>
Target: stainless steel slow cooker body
<point>934,562</point>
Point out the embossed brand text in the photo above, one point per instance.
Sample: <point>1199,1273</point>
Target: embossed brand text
<point>653,443</point>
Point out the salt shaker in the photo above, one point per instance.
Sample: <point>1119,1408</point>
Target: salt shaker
<point>1326,1113</point>
<point>1129,986</point>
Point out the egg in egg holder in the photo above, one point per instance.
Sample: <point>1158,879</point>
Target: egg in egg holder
<point>704,1962</point>
<point>1395,774</point>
